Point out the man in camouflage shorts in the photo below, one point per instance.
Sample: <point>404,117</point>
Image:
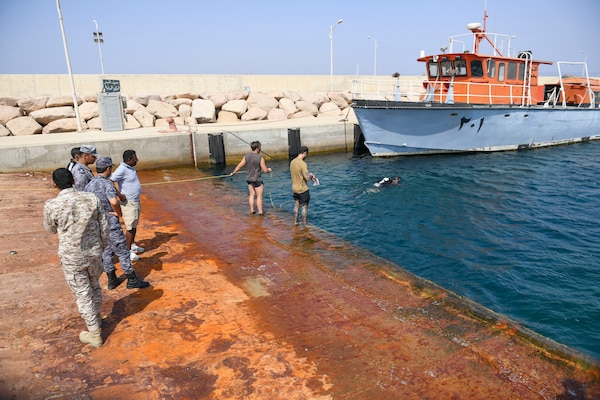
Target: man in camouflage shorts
<point>106,191</point>
<point>82,230</point>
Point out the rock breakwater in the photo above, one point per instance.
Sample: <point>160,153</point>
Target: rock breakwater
<point>41,115</point>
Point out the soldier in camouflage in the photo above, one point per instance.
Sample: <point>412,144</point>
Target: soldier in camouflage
<point>80,170</point>
<point>106,191</point>
<point>82,229</point>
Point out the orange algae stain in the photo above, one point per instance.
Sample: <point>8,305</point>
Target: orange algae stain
<point>255,309</point>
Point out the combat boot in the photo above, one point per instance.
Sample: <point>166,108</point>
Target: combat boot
<point>113,281</point>
<point>133,282</point>
<point>92,337</point>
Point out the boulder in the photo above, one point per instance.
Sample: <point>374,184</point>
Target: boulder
<point>307,106</point>
<point>227,117</point>
<point>4,131</point>
<point>203,110</point>
<point>9,101</point>
<point>178,102</point>
<point>185,110</point>
<point>161,110</point>
<point>315,98</point>
<point>131,123</point>
<point>219,99</point>
<point>133,106</point>
<point>293,96</point>
<point>24,126</point>
<point>88,110</point>
<point>189,96</point>
<point>144,118</point>
<point>47,115</point>
<point>238,107</point>
<point>32,104</point>
<point>63,125</point>
<point>276,114</point>
<point>288,106</point>
<point>301,114</point>
<point>254,114</point>
<point>339,100</point>
<point>145,98</point>
<point>7,113</point>
<point>267,103</point>
<point>61,101</point>
<point>238,96</point>
<point>95,124</point>
<point>329,109</point>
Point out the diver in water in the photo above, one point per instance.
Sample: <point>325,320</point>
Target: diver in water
<point>385,182</point>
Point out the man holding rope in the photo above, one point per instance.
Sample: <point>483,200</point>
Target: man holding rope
<point>255,165</point>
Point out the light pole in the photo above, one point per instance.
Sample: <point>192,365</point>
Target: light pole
<point>331,28</point>
<point>374,57</point>
<point>62,29</point>
<point>99,39</point>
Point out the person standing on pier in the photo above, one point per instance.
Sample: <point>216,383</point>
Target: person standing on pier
<point>106,191</point>
<point>300,177</point>
<point>82,228</point>
<point>130,187</point>
<point>82,174</point>
<point>255,164</point>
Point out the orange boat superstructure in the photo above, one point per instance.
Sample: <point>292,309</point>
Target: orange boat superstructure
<point>473,77</point>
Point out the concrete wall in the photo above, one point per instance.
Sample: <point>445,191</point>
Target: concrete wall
<point>173,149</point>
<point>16,85</point>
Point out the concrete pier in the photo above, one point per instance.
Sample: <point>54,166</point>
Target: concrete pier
<point>248,307</point>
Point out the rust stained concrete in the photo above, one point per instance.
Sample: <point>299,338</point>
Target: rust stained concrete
<point>244,307</point>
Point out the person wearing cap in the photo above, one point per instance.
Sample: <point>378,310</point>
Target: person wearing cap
<point>130,187</point>
<point>82,228</point>
<point>106,191</point>
<point>82,174</point>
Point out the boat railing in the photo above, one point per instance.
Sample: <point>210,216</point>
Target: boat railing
<point>591,96</point>
<point>439,92</point>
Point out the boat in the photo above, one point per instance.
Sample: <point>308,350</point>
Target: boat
<point>477,100</point>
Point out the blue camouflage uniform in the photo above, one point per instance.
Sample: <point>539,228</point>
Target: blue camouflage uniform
<point>82,228</point>
<point>105,189</point>
<point>82,176</point>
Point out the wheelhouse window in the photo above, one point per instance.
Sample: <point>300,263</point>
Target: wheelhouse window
<point>512,71</point>
<point>432,68</point>
<point>446,66</point>
<point>476,69</point>
<point>501,68</point>
<point>491,68</point>
<point>460,65</point>
<point>521,71</point>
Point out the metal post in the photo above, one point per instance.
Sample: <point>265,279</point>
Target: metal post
<point>374,57</point>
<point>99,39</point>
<point>62,29</point>
<point>331,28</point>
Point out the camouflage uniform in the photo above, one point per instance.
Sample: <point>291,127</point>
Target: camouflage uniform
<point>82,230</point>
<point>105,189</point>
<point>82,176</point>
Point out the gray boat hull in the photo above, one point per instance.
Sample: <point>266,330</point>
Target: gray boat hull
<point>408,128</point>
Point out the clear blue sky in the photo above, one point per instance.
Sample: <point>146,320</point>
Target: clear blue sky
<point>280,37</point>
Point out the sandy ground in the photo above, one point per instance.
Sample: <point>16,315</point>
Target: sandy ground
<point>244,307</point>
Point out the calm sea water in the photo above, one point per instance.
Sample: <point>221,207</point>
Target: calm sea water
<point>517,232</point>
